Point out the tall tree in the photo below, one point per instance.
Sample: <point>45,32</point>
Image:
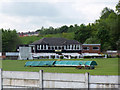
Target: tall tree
<point>10,40</point>
<point>118,24</point>
<point>83,33</point>
<point>64,29</point>
<point>118,7</point>
<point>106,12</point>
<point>103,36</point>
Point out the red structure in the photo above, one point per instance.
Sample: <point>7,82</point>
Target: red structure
<point>91,48</point>
<point>25,34</point>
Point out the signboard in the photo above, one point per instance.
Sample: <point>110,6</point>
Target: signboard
<point>58,50</point>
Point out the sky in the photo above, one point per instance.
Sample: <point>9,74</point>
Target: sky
<point>30,15</point>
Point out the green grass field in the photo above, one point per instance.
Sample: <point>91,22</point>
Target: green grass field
<point>107,66</point>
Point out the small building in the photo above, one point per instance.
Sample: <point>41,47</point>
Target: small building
<point>56,45</point>
<point>56,48</point>
<point>24,34</point>
<point>49,48</point>
<point>113,53</point>
<point>91,48</point>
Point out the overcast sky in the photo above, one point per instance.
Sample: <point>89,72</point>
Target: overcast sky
<point>30,15</point>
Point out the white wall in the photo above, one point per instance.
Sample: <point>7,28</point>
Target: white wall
<point>62,80</point>
<point>20,79</point>
<point>12,53</point>
<point>57,80</point>
<point>97,81</point>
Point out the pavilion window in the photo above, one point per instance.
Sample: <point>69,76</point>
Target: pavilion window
<point>72,47</point>
<point>48,47</point>
<point>59,47</point>
<point>62,47</point>
<point>75,47</point>
<point>95,48</point>
<point>66,46</point>
<point>56,47</point>
<point>69,46</point>
<point>52,48</point>
<point>41,47</point>
<point>85,48</point>
<point>45,47</point>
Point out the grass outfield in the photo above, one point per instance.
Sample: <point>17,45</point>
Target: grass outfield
<point>107,66</point>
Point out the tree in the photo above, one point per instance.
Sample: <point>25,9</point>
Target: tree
<point>114,31</point>
<point>1,40</point>
<point>92,40</point>
<point>103,36</point>
<point>118,7</point>
<point>118,24</point>
<point>110,21</point>
<point>10,40</point>
<point>105,13</point>
<point>64,29</point>
<point>118,44</point>
<point>71,28</point>
<point>83,33</point>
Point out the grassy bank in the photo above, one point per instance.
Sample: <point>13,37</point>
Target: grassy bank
<point>30,39</point>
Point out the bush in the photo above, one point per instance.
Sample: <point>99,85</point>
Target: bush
<point>47,57</point>
<point>75,57</point>
<point>71,57</point>
<point>61,57</point>
<point>87,56</point>
<point>93,56</point>
<point>109,56</point>
<point>117,56</point>
<point>53,57</point>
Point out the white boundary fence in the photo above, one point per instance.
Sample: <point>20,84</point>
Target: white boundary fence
<point>18,79</point>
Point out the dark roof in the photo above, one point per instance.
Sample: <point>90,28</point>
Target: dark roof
<point>55,41</point>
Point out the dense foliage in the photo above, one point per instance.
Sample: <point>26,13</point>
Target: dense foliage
<point>10,40</point>
<point>105,30</point>
<point>62,29</point>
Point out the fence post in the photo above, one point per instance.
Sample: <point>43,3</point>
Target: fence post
<point>41,79</point>
<point>0,79</point>
<point>87,80</point>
